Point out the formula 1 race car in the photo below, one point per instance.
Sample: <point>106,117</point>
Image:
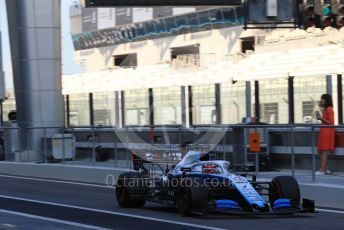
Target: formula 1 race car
<point>200,185</point>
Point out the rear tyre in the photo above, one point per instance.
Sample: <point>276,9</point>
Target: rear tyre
<point>285,187</point>
<point>131,190</point>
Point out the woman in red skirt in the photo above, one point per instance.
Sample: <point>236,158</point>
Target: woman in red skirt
<point>326,138</point>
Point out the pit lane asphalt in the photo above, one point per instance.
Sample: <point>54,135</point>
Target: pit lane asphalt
<point>96,206</point>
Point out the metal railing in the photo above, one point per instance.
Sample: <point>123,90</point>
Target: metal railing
<point>89,142</point>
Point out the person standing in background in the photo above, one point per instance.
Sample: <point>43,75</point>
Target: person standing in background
<point>326,139</point>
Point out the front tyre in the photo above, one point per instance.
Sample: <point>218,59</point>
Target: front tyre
<point>285,187</point>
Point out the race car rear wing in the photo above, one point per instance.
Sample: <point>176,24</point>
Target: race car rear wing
<point>138,163</point>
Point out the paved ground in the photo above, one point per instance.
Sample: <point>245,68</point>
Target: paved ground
<point>304,176</point>
<point>59,205</point>
<point>13,221</point>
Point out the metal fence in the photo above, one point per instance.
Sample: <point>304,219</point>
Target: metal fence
<point>110,146</point>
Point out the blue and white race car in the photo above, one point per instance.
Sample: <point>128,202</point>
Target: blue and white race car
<point>200,185</point>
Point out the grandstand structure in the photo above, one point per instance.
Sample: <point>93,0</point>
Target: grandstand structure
<point>202,70</point>
<point>160,79</point>
<point>205,74</point>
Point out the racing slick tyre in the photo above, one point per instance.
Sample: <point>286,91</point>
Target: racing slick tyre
<point>185,201</point>
<point>131,190</point>
<point>285,187</point>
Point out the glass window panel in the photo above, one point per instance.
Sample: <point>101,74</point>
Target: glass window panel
<point>128,32</point>
<point>79,110</point>
<point>161,26</point>
<point>229,15</point>
<point>140,30</point>
<point>192,19</point>
<point>136,104</point>
<point>136,117</point>
<point>193,22</point>
<point>216,14</point>
<point>240,13</point>
<point>216,18</point>
<point>182,24</point>
<point>203,17</point>
<point>273,100</point>
<point>233,102</point>
<point>170,24</point>
<point>307,96</point>
<point>104,108</point>
<point>150,28</point>
<point>269,113</point>
<point>181,21</point>
<point>167,106</point>
<point>204,20</point>
<point>308,109</point>
<point>124,34</point>
<point>203,105</point>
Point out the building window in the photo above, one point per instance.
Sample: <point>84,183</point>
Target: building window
<point>185,56</point>
<point>104,108</point>
<point>136,104</point>
<point>269,113</point>
<point>307,96</point>
<point>308,111</point>
<point>273,98</point>
<point>233,102</point>
<point>167,106</point>
<point>247,44</point>
<point>79,110</point>
<point>125,60</point>
<point>203,105</point>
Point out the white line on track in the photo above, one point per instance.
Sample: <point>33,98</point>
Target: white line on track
<point>53,220</point>
<point>329,210</point>
<point>56,181</point>
<point>114,213</point>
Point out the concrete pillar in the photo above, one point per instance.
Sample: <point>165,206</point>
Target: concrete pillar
<point>2,85</point>
<point>2,76</point>
<point>329,84</point>
<point>35,38</point>
<point>248,99</point>
<point>184,106</point>
<point>117,110</point>
<point>1,67</point>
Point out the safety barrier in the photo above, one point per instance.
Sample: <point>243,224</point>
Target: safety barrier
<point>111,146</point>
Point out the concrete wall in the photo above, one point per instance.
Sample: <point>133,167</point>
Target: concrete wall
<point>86,174</point>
